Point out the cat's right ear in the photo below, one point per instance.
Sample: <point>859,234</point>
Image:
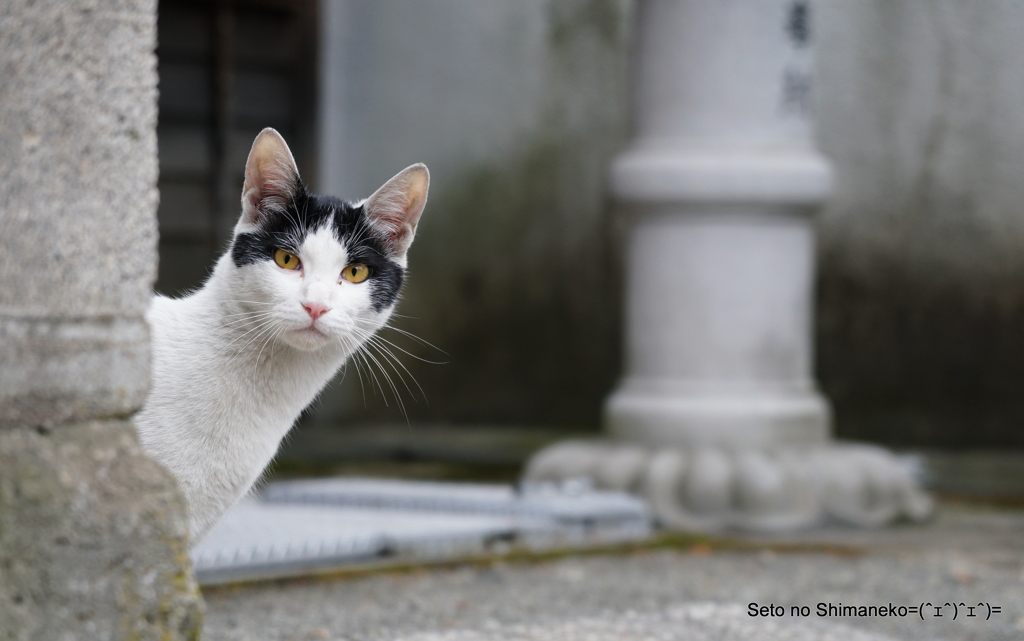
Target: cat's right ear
<point>271,179</point>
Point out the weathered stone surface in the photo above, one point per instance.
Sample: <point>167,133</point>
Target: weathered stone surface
<point>78,134</point>
<point>92,539</point>
<point>77,200</point>
<point>54,370</point>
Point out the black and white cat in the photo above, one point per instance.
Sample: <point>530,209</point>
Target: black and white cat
<point>306,281</point>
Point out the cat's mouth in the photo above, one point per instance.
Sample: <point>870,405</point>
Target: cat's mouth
<point>312,329</point>
<point>308,338</point>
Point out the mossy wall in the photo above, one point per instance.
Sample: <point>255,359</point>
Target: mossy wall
<point>518,109</point>
<point>921,297</point>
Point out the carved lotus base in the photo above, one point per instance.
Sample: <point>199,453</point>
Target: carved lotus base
<point>708,489</point>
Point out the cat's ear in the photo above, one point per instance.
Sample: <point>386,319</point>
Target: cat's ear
<point>395,208</point>
<point>271,178</point>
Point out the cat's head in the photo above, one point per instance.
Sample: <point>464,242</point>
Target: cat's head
<point>316,270</point>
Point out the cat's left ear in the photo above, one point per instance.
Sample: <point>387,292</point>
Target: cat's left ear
<point>271,178</point>
<point>394,209</point>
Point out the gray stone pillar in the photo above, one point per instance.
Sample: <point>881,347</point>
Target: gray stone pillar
<point>721,180</point>
<point>92,533</point>
<point>720,424</point>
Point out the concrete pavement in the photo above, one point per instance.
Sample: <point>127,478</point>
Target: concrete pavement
<point>967,555</point>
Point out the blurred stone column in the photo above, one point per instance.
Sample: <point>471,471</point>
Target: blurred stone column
<point>92,533</point>
<point>718,421</point>
<point>722,182</point>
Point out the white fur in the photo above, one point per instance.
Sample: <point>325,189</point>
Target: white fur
<point>237,361</point>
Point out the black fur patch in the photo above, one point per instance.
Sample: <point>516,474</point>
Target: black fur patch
<point>309,212</point>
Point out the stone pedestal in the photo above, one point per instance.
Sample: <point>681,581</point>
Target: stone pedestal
<point>718,328</point>
<point>93,537</point>
<point>721,182</point>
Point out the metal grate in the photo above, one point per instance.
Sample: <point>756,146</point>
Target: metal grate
<point>578,506</point>
<point>302,527</point>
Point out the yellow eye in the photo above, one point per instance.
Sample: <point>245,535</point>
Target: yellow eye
<point>355,273</point>
<point>286,259</point>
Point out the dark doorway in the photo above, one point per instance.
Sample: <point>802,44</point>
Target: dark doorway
<point>228,68</point>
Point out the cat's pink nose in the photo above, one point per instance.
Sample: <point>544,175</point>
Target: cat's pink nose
<point>316,310</point>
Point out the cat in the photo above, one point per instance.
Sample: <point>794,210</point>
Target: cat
<point>306,281</point>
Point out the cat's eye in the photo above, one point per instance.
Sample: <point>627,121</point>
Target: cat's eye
<point>356,273</point>
<point>286,259</point>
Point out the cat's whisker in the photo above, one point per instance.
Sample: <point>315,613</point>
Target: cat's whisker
<point>393,360</point>
<point>353,347</point>
<point>374,341</point>
<point>239,310</point>
<point>407,352</point>
<point>256,365</point>
<point>359,373</point>
<point>234,319</point>
<point>246,334</point>
<point>344,364</point>
<point>268,307</point>
<point>264,329</point>
<point>249,336</point>
<point>391,383</point>
<point>356,237</point>
<point>248,312</point>
<point>362,233</point>
<point>245,325</point>
<point>387,357</point>
<point>249,302</point>
<point>255,321</point>
<point>241,317</point>
<point>293,214</point>
<point>415,338</point>
<point>359,353</point>
<point>273,350</point>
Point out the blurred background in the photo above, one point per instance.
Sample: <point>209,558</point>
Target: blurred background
<point>518,109</point>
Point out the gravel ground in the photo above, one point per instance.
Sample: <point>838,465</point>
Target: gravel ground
<point>965,556</point>
<point>692,621</point>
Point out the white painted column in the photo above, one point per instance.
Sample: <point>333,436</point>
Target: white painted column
<point>721,181</point>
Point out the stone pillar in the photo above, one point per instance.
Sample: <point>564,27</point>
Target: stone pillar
<point>721,181</point>
<point>92,533</point>
<point>718,418</point>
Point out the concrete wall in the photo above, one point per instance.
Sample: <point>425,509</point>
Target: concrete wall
<point>921,306</point>
<point>517,108</point>
<point>92,533</point>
